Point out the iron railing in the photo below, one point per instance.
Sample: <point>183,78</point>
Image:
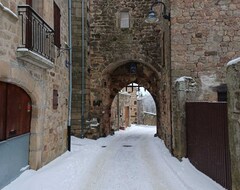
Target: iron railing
<point>37,35</point>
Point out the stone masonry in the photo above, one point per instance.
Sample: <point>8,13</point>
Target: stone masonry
<point>48,138</point>
<point>80,65</point>
<point>119,115</point>
<point>200,39</point>
<point>113,50</point>
<point>233,82</point>
<point>204,37</point>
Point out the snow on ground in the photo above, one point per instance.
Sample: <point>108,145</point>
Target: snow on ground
<point>130,160</point>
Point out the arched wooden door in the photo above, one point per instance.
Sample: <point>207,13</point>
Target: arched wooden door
<point>15,121</point>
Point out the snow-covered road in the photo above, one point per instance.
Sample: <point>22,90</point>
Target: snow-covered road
<point>129,160</point>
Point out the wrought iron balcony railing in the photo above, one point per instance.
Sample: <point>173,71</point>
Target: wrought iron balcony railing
<point>37,35</point>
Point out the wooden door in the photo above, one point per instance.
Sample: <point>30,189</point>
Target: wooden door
<point>207,140</point>
<point>3,101</point>
<point>15,111</point>
<point>127,116</point>
<point>18,112</point>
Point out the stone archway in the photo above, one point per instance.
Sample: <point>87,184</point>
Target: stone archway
<point>117,76</point>
<point>23,79</point>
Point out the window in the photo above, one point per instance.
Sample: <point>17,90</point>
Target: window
<point>124,19</point>
<point>55,99</point>
<point>29,2</point>
<point>57,21</point>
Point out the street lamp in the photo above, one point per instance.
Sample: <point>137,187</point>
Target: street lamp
<point>152,16</point>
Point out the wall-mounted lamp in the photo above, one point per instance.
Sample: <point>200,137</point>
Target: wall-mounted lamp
<point>152,16</point>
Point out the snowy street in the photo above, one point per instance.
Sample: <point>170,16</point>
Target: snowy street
<point>130,160</point>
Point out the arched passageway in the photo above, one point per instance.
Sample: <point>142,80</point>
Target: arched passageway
<point>117,76</point>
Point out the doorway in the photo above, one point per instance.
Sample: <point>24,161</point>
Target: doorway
<point>15,121</point>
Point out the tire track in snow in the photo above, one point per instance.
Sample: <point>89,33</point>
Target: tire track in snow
<point>96,174</point>
<point>152,158</point>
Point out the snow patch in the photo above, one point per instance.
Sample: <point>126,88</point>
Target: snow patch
<point>24,168</point>
<point>183,78</point>
<point>150,113</point>
<point>234,61</point>
<point>209,81</point>
<point>8,10</point>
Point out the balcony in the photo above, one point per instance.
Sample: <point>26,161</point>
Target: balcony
<point>37,39</point>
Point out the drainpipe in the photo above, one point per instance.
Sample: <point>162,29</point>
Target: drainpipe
<point>83,70</point>
<point>70,72</point>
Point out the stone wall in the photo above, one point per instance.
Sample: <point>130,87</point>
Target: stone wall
<point>185,90</point>
<point>81,71</point>
<point>149,118</point>
<point>113,49</point>
<point>145,104</point>
<point>48,137</point>
<point>233,83</point>
<point>204,36</point>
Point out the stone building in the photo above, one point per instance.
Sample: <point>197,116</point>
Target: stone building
<point>33,84</point>
<point>178,59</point>
<point>204,37</point>
<point>120,111</point>
<point>124,110</point>
<point>132,90</point>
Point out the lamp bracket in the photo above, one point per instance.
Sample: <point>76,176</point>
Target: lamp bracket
<point>165,15</point>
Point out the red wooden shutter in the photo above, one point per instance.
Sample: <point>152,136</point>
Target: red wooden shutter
<point>57,21</point>
<point>3,104</point>
<point>29,2</point>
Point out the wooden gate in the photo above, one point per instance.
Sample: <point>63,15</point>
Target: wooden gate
<point>15,119</point>
<point>207,140</point>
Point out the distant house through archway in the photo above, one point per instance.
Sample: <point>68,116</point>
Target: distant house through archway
<point>132,105</point>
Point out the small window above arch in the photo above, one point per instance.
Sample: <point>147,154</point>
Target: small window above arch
<point>124,19</point>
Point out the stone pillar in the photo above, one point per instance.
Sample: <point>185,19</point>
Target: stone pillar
<point>185,90</point>
<point>233,83</point>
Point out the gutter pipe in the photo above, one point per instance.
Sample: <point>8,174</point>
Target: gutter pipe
<point>83,70</point>
<point>70,72</point>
